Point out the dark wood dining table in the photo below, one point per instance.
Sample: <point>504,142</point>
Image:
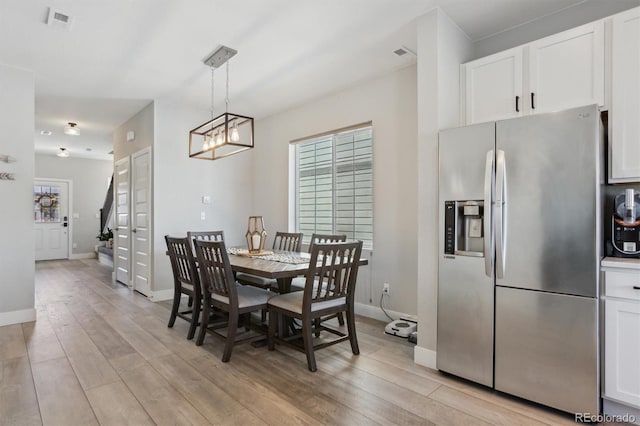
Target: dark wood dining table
<point>282,272</point>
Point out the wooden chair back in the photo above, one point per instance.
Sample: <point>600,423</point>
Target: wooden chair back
<point>288,241</point>
<point>335,272</point>
<point>215,270</point>
<point>182,262</point>
<point>206,235</point>
<point>326,238</point>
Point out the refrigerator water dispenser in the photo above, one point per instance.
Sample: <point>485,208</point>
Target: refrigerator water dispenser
<point>463,228</point>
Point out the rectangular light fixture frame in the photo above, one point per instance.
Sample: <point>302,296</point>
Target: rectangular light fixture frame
<point>222,124</point>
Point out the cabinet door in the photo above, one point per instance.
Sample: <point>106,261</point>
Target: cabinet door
<point>624,115</point>
<point>494,87</point>
<point>567,69</point>
<point>622,351</point>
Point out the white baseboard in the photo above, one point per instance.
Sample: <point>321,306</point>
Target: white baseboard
<point>17,317</point>
<point>375,312</point>
<point>159,296</point>
<point>425,357</point>
<point>77,256</point>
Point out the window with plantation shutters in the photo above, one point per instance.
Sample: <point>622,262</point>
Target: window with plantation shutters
<point>334,185</point>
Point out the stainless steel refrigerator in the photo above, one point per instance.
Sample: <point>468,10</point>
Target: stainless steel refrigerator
<point>519,252</point>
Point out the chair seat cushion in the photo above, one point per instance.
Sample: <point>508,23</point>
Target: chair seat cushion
<point>247,296</point>
<point>292,302</point>
<point>255,280</point>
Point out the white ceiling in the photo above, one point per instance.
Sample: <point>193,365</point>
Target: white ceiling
<point>121,54</point>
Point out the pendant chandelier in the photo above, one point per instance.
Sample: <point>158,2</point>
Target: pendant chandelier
<point>227,133</point>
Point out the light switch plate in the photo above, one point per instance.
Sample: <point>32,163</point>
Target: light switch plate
<point>202,216</point>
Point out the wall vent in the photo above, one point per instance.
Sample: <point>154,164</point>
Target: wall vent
<point>59,19</point>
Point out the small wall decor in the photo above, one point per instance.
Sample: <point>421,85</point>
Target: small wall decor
<point>7,158</point>
<point>7,176</point>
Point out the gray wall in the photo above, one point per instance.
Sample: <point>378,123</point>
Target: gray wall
<point>90,179</point>
<point>16,197</point>
<point>180,182</point>
<point>142,126</point>
<point>442,47</point>
<point>390,103</point>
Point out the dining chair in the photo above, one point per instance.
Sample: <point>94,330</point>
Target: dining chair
<point>298,283</point>
<point>220,291</point>
<point>288,241</point>
<point>330,289</point>
<point>185,281</point>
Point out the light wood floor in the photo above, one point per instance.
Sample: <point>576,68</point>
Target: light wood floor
<point>99,353</point>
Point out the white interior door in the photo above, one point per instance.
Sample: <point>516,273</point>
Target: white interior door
<point>122,230</point>
<point>141,232</point>
<point>51,219</point>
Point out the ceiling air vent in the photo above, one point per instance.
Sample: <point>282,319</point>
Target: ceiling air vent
<point>403,50</point>
<point>59,19</point>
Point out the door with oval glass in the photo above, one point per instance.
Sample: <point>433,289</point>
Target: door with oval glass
<point>51,219</point>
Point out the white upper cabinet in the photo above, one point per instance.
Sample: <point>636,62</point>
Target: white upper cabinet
<point>624,114</point>
<point>567,69</point>
<point>494,86</point>
<point>561,71</point>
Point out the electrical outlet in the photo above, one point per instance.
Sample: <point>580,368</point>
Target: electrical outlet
<point>385,289</point>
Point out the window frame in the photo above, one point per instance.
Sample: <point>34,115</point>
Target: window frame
<point>294,177</point>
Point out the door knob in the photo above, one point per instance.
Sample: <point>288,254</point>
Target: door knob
<point>134,230</point>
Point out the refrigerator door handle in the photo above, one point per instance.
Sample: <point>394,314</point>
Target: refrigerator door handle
<point>501,214</point>
<point>489,183</point>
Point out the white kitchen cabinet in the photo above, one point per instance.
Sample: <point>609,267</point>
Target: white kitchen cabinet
<point>567,69</point>
<point>557,72</point>
<point>624,114</point>
<point>494,86</point>
<point>622,333</point>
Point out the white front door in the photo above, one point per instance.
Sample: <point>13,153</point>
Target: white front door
<point>122,230</point>
<point>141,241</point>
<point>51,219</point>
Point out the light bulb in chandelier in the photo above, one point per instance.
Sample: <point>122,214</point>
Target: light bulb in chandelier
<point>235,135</point>
<point>220,138</point>
<point>205,144</point>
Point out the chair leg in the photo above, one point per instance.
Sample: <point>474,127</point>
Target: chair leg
<point>263,315</point>
<point>351,329</point>
<point>273,323</point>
<point>231,337</point>
<point>174,308</point>
<point>247,321</point>
<point>340,318</point>
<point>307,337</point>
<point>195,316</point>
<point>316,327</point>
<point>205,321</point>
<point>190,303</point>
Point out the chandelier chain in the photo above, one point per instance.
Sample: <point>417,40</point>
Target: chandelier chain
<point>213,108</point>
<point>227,98</point>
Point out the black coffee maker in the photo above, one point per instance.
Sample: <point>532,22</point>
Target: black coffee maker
<point>625,224</point>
